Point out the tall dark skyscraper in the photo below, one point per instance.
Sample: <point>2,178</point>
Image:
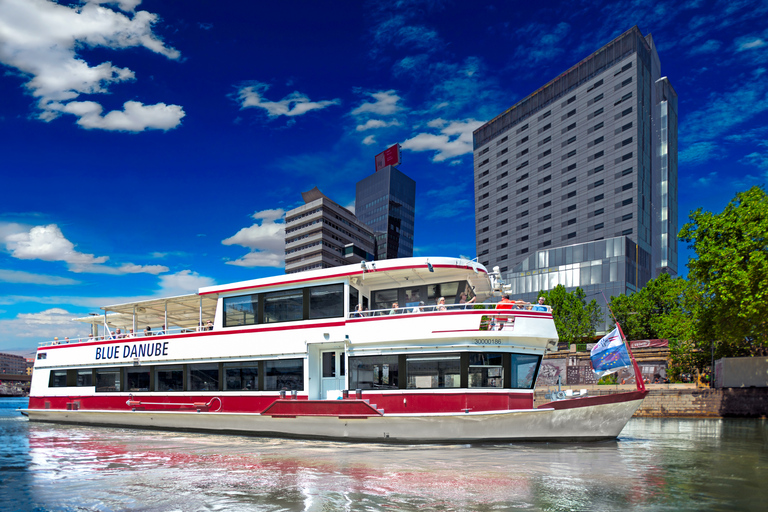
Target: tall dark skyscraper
<point>385,201</point>
<point>576,184</point>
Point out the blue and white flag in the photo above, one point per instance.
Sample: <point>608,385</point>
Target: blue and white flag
<point>609,354</point>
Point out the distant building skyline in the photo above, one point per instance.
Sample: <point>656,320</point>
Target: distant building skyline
<point>323,234</point>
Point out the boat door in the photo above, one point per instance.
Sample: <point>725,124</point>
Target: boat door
<point>332,372</point>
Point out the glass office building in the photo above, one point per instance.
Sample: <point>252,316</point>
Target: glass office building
<point>385,201</point>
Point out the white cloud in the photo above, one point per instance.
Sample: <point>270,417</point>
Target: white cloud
<point>454,139</point>
<point>375,124</point>
<point>749,43</point>
<point>48,243</point>
<point>700,152</point>
<point>295,104</point>
<point>18,276</point>
<point>135,116</point>
<point>266,240</point>
<point>45,325</point>
<point>42,39</point>
<point>385,104</point>
<point>183,282</point>
<point>369,140</point>
<point>710,46</point>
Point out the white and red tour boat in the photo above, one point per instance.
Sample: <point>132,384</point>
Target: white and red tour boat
<point>364,352</point>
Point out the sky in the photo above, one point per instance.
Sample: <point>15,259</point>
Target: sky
<point>149,148</point>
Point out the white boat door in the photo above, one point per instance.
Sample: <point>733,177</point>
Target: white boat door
<point>332,372</point>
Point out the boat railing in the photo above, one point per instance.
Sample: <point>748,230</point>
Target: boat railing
<point>491,308</point>
<point>122,335</point>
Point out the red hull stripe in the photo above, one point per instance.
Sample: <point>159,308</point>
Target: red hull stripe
<point>333,276</point>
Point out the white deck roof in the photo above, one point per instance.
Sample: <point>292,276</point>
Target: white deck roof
<point>182,311</point>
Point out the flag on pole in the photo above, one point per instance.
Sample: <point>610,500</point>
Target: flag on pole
<point>609,354</point>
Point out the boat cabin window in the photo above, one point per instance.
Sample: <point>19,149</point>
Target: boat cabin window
<point>203,377</point>
<point>326,301</point>
<point>486,370</point>
<point>169,378</point>
<point>108,380</point>
<point>241,376</point>
<point>283,306</point>
<point>84,378</point>
<point>137,379</point>
<point>58,379</point>
<point>374,372</point>
<point>354,298</point>
<point>242,310</point>
<point>433,371</point>
<point>524,370</point>
<point>287,374</point>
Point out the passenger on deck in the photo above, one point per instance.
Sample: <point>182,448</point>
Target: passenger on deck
<point>504,303</point>
<point>161,332</point>
<point>441,304</point>
<point>394,310</point>
<point>540,306</point>
<point>130,334</point>
<point>209,325</point>
<point>55,340</point>
<point>419,308</point>
<point>463,299</point>
<point>358,311</point>
<point>66,340</point>
<point>119,333</point>
<point>148,331</point>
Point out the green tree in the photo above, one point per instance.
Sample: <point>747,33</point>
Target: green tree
<point>575,320</point>
<point>664,308</point>
<point>731,271</point>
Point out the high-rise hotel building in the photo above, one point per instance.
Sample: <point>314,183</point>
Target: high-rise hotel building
<point>576,184</point>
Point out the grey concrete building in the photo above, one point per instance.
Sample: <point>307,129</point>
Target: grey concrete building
<point>322,234</point>
<point>386,201</point>
<point>590,156</point>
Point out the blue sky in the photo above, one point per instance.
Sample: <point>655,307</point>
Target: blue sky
<point>152,147</point>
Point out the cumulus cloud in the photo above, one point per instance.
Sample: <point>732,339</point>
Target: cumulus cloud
<point>374,124</point>
<point>42,39</point>
<point>369,140</point>
<point>295,104</point>
<point>384,104</point>
<point>135,116</point>
<point>265,239</point>
<point>44,325</point>
<point>48,243</point>
<point>183,282</point>
<point>454,138</point>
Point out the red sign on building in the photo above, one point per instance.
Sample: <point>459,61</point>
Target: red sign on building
<point>390,156</point>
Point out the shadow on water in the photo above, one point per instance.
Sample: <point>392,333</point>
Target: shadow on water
<point>654,465</point>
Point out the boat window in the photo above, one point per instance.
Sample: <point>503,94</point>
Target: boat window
<point>326,301</point>
<point>283,306</point>
<point>523,370</point>
<point>354,298</point>
<point>203,377</point>
<point>169,378</point>
<point>486,370</point>
<point>433,371</point>
<point>383,299</point>
<point>373,372</point>
<point>448,290</point>
<point>108,380</point>
<point>241,376</point>
<point>285,374</point>
<point>137,379</point>
<point>241,310</point>
<point>412,296</point>
<point>58,379</point>
<point>84,378</point>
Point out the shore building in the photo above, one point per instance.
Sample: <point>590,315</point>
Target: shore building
<point>386,202</point>
<point>576,184</point>
<point>322,234</point>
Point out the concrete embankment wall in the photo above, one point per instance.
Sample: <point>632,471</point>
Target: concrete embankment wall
<point>688,401</point>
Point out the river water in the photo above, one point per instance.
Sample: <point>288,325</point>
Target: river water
<point>656,464</point>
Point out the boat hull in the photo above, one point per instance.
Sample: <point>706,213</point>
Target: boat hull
<point>576,422</point>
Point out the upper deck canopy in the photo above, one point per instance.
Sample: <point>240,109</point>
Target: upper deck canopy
<point>184,311</point>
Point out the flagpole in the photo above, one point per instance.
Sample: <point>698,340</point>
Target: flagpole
<point>638,376</point>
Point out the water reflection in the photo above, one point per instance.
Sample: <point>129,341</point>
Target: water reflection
<point>656,465</point>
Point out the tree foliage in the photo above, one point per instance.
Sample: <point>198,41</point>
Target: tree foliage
<point>731,271</point>
<point>575,320</point>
